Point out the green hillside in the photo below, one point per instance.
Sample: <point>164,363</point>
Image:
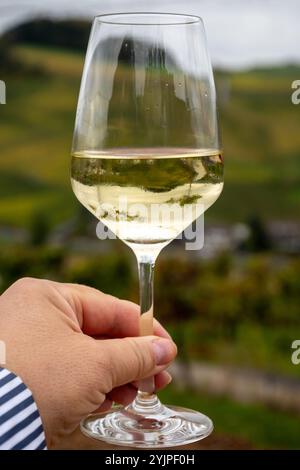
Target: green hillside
<point>260,135</point>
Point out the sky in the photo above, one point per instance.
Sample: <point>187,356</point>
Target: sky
<point>241,33</point>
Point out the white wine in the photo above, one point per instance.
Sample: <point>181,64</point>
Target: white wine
<point>147,195</point>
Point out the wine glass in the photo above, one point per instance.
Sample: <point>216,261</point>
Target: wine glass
<point>146,161</point>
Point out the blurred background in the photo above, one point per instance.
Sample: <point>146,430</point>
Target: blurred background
<point>234,307</point>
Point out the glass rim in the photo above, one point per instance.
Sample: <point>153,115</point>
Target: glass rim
<point>111,18</point>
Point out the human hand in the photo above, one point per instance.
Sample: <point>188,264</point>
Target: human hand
<point>77,350</point>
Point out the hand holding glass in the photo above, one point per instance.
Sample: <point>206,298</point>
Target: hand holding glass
<point>146,161</point>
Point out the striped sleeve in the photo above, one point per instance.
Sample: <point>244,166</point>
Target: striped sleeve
<point>20,423</point>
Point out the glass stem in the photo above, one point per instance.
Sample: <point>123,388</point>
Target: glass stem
<point>146,400</point>
<point>146,273</point>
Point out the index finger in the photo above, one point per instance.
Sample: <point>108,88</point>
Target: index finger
<point>102,314</point>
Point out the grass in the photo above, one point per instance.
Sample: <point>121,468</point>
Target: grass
<point>262,427</point>
<point>265,348</point>
<point>36,136</point>
<point>60,62</point>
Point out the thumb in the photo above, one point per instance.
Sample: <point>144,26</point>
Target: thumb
<point>128,359</point>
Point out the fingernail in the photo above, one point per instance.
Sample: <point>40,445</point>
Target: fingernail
<point>162,349</point>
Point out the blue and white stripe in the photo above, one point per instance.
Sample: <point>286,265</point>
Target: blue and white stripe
<point>20,423</point>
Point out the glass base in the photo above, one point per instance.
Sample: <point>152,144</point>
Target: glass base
<point>148,426</point>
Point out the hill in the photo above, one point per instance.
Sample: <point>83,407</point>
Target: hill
<point>260,128</point>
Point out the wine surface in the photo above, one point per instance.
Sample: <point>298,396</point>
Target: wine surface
<point>147,195</point>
